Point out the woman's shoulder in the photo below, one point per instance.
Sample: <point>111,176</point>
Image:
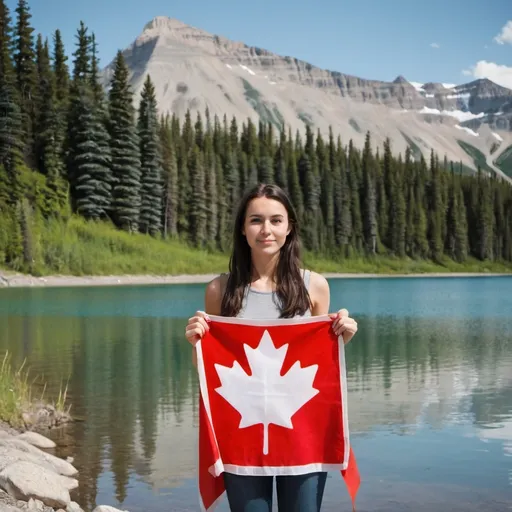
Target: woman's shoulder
<point>318,285</point>
<point>319,293</point>
<point>214,293</point>
<point>315,279</point>
<point>217,284</point>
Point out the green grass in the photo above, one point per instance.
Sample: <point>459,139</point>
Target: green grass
<point>391,265</point>
<point>78,247</point>
<point>16,393</point>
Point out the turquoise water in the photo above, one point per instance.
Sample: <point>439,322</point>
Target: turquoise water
<point>429,376</point>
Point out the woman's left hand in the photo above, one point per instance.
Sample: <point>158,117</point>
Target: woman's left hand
<point>344,325</point>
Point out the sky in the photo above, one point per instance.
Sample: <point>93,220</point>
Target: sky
<point>452,41</point>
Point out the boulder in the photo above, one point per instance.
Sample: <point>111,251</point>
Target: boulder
<point>36,439</point>
<point>74,507</point>
<point>24,480</point>
<point>60,466</point>
<point>8,508</point>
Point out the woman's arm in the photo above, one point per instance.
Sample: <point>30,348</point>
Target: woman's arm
<point>212,304</point>
<point>213,295</point>
<point>320,297</point>
<point>320,294</point>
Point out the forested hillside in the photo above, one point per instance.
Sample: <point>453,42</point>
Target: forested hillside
<point>68,148</point>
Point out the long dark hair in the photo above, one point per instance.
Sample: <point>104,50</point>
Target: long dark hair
<point>293,297</point>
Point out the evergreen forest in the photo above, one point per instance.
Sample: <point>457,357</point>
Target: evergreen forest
<point>72,148</point>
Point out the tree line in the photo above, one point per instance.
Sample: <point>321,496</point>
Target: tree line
<point>70,145</point>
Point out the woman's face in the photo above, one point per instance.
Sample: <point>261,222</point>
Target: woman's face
<point>266,226</point>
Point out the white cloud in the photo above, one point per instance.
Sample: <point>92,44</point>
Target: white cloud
<point>502,75</point>
<point>435,45</point>
<point>505,36</point>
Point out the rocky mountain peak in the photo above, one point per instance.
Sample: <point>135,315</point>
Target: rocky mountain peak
<point>164,24</point>
<point>401,80</point>
<point>193,70</point>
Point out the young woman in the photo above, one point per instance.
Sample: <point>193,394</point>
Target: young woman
<point>265,281</point>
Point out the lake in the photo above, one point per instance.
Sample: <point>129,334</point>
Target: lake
<point>429,379</point>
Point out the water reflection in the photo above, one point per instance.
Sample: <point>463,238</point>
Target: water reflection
<point>421,391</point>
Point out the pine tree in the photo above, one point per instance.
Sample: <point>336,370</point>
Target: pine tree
<point>346,225</point>
<point>50,136</point>
<point>94,79</point>
<point>61,70</point>
<point>26,76</point>
<point>368,199</point>
<point>421,247</point>
<point>499,219</point>
<point>385,195</point>
<point>353,184</point>
<point>198,233</point>
<point>88,158</point>
<point>485,223</point>
<point>397,209</point>
<point>461,231</point>
<point>435,228</point>
<point>199,132</point>
<point>231,179</point>
<point>88,166</point>
<point>311,187</point>
<point>326,194</point>
<point>125,149</point>
<point>212,221</point>
<point>280,163</point>
<point>100,114</point>
<point>265,169</point>
<point>11,139</point>
<point>61,84</point>
<point>410,204</point>
<point>151,162</point>
<point>170,179</point>
<point>334,164</point>
<point>223,236</point>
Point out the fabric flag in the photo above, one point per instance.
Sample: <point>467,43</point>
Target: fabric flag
<point>273,402</point>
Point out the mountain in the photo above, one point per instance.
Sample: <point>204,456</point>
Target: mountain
<point>193,69</point>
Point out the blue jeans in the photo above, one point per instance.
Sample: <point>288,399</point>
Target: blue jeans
<point>295,493</point>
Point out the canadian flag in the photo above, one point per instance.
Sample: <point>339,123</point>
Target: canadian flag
<point>273,402</point>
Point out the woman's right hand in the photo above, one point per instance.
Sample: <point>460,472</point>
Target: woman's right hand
<point>196,328</point>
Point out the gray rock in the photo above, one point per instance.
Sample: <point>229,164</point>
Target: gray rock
<point>25,480</point>
<point>60,466</point>
<point>35,505</point>
<point>10,455</point>
<point>74,507</point>
<point>8,508</point>
<point>37,440</point>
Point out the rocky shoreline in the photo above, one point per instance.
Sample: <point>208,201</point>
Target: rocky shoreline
<point>32,478</point>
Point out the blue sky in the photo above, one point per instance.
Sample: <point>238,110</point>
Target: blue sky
<point>451,41</point>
